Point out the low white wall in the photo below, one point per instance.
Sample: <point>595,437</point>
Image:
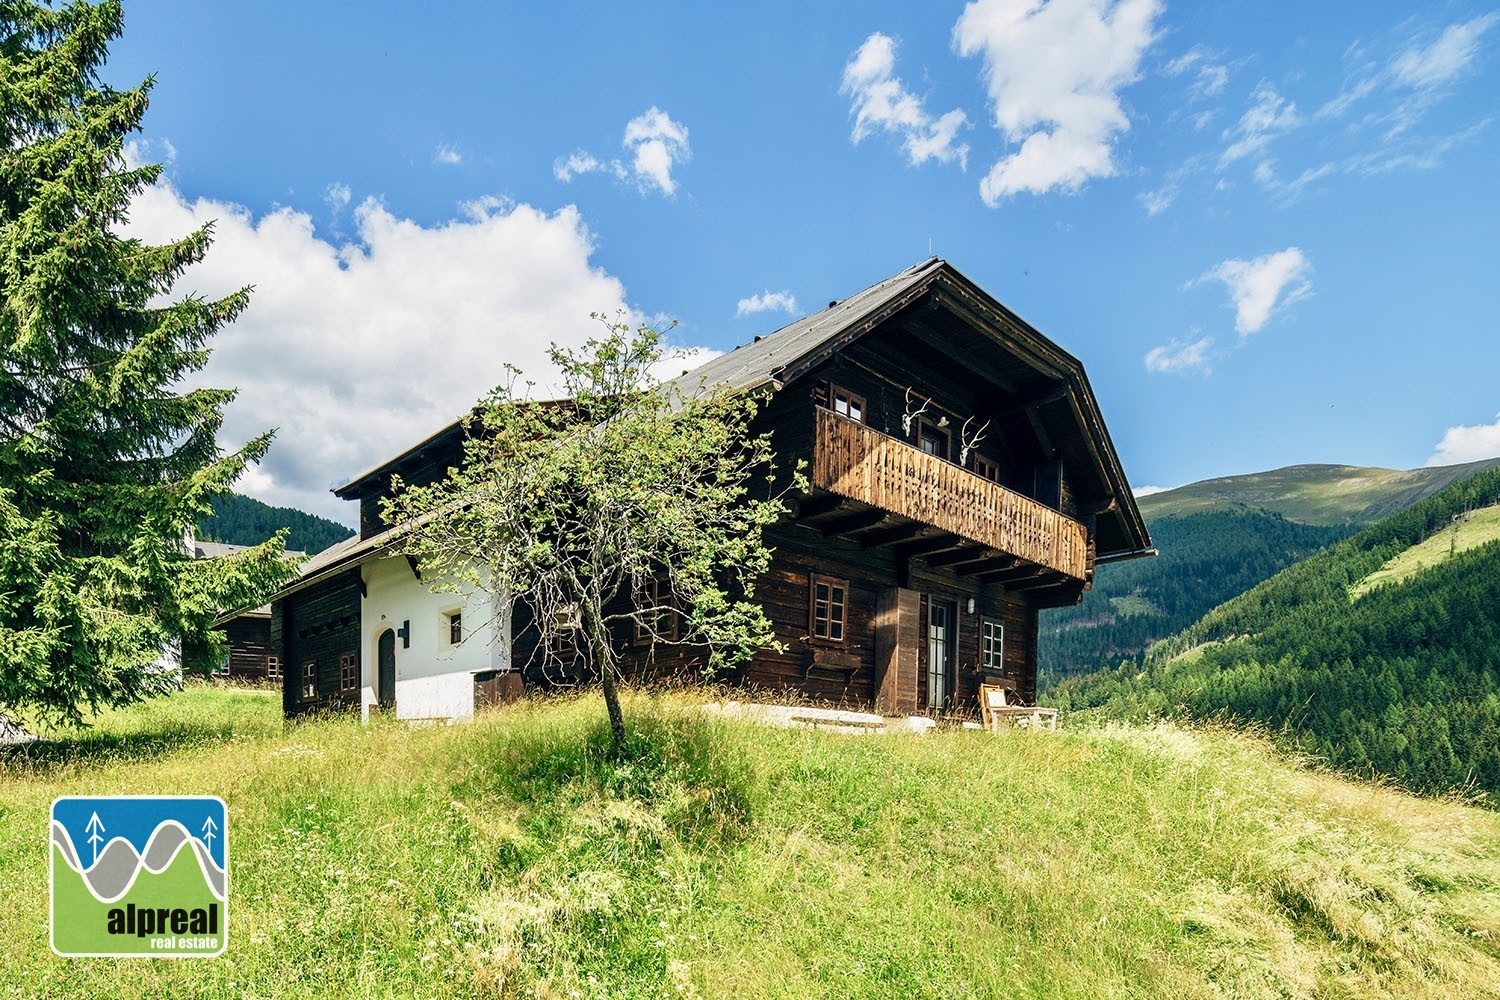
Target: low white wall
<point>434,678</point>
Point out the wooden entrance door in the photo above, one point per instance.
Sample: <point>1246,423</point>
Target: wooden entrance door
<point>385,682</point>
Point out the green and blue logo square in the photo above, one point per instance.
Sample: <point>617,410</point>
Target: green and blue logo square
<point>136,875</point>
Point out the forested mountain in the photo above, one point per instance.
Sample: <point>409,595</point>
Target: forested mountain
<point>1205,559</point>
<point>1404,679</point>
<point>1216,539</point>
<point>244,521</point>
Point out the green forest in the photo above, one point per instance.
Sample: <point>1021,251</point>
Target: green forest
<point>1404,681</point>
<point>240,520</point>
<point>1205,559</point>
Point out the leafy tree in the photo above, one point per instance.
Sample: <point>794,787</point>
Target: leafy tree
<point>104,459</point>
<point>626,502</point>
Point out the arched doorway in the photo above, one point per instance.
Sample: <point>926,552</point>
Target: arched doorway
<point>385,676</point>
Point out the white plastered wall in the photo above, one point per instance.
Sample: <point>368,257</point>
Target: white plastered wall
<point>434,678</point>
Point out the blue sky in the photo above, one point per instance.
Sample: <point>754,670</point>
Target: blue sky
<point>1269,230</point>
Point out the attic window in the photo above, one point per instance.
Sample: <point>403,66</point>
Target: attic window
<point>847,404</point>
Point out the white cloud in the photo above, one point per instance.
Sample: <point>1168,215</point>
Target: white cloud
<point>1269,116</point>
<point>579,163</point>
<point>447,156</point>
<point>1467,444</point>
<point>1180,356</point>
<point>1209,80</point>
<point>655,144</point>
<point>1262,286</point>
<point>1430,66</point>
<point>337,196</point>
<point>658,144</point>
<point>768,301</point>
<point>1146,491</point>
<point>882,102</point>
<point>1158,201</point>
<point>358,350</point>
<point>1055,73</point>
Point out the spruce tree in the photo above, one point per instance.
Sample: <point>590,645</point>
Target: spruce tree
<point>106,459</point>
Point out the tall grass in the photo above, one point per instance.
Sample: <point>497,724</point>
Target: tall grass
<point>519,856</point>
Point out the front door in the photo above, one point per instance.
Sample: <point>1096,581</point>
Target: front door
<point>939,637</point>
<point>385,681</point>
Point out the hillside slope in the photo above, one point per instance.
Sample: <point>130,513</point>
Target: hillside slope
<point>514,857</point>
<point>1204,559</point>
<point>1405,679</point>
<point>241,520</point>
<point>1313,494</point>
<point>1216,539</point>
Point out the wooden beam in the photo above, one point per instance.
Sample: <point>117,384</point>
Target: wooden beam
<point>893,535</point>
<point>925,545</point>
<point>1029,571</point>
<point>853,522</point>
<point>817,506</point>
<point>968,553</point>
<point>989,565</point>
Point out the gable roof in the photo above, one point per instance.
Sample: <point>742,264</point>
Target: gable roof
<point>797,348</point>
<point>774,359</point>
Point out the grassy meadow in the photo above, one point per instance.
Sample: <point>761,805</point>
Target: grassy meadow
<point>1472,530</point>
<point>517,857</point>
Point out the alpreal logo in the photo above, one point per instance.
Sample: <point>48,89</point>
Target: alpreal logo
<point>140,876</point>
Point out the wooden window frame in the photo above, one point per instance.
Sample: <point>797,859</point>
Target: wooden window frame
<point>852,401</point>
<point>308,689</point>
<point>923,427</point>
<point>986,469</point>
<point>834,623</point>
<point>986,665</point>
<point>348,672</point>
<point>650,597</point>
<point>273,667</point>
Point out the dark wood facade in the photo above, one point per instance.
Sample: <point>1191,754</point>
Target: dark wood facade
<point>317,628</point>
<point>250,655</point>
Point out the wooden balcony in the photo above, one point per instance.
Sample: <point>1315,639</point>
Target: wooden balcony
<point>887,474</point>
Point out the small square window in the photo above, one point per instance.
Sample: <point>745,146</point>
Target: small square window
<point>455,628</point>
<point>349,672</point>
<point>847,404</point>
<point>310,680</point>
<point>830,599</point>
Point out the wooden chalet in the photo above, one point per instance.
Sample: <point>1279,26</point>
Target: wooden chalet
<point>961,481</point>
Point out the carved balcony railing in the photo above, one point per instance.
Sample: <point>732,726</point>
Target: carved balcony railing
<point>854,461</point>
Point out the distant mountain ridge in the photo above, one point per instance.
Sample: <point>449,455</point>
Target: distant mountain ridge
<point>1216,539</point>
<point>241,520</point>
<point>1313,494</point>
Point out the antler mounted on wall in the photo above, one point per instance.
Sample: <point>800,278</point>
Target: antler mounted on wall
<point>970,443</point>
<point>911,414</point>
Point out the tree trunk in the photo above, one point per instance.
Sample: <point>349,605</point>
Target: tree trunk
<point>612,704</point>
<point>599,642</point>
